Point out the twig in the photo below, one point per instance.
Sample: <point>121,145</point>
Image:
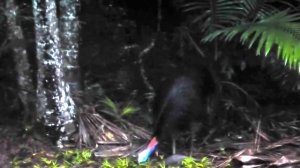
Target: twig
<point>241,90</point>
<point>151,94</point>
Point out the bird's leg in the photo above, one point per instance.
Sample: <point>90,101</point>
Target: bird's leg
<point>173,145</point>
<point>192,142</point>
<point>194,128</point>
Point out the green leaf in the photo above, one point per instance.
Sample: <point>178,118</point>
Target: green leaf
<point>280,31</point>
<point>108,103</point>
<point>107,164</point>
<point>129,110</point>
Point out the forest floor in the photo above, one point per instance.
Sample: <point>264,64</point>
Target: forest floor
<point>271,141</point>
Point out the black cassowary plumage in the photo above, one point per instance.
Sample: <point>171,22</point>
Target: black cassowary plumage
<point>180,103</point>
<point>180,106</point>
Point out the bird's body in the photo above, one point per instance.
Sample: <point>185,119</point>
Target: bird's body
<point>179,104</point>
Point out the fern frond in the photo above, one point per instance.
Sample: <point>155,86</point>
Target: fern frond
<point>214,14</point>
<point>259,9</point>
<point>256,9</point>
<point>280,30</point>
<point>217,14</point>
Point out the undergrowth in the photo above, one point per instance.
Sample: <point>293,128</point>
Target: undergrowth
<point>84,158</point>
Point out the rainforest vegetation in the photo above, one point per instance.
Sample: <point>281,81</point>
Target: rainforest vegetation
<point>140,83</point>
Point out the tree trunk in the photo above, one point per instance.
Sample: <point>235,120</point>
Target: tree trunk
<point>69,35</point>
<point>22,66</point>
<point>55,106</point>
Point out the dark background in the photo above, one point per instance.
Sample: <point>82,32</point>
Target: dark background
<point>108,26</point>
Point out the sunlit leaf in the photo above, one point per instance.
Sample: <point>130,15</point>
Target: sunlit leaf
<point>129,110</point>
<point>108,103</point>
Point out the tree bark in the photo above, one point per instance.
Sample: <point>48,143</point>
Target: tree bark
<point>22,65</point>
<point>69,35</point>
<point>55,107</point>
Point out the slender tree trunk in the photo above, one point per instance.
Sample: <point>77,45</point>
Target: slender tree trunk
<point>55,107</point>
<point>69,35</point>
<point>213,7</point>
<point>22,66</point>
<point>49,63</point>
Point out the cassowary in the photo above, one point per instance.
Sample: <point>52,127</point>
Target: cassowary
<point>178,106</point>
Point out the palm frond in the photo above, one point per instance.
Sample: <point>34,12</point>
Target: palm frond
<point>280,30</point>
<point>217,14</point>
<point>254,10</point>
<point>94,129</point>
<point>214,14</point>
<point>196,5</point>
